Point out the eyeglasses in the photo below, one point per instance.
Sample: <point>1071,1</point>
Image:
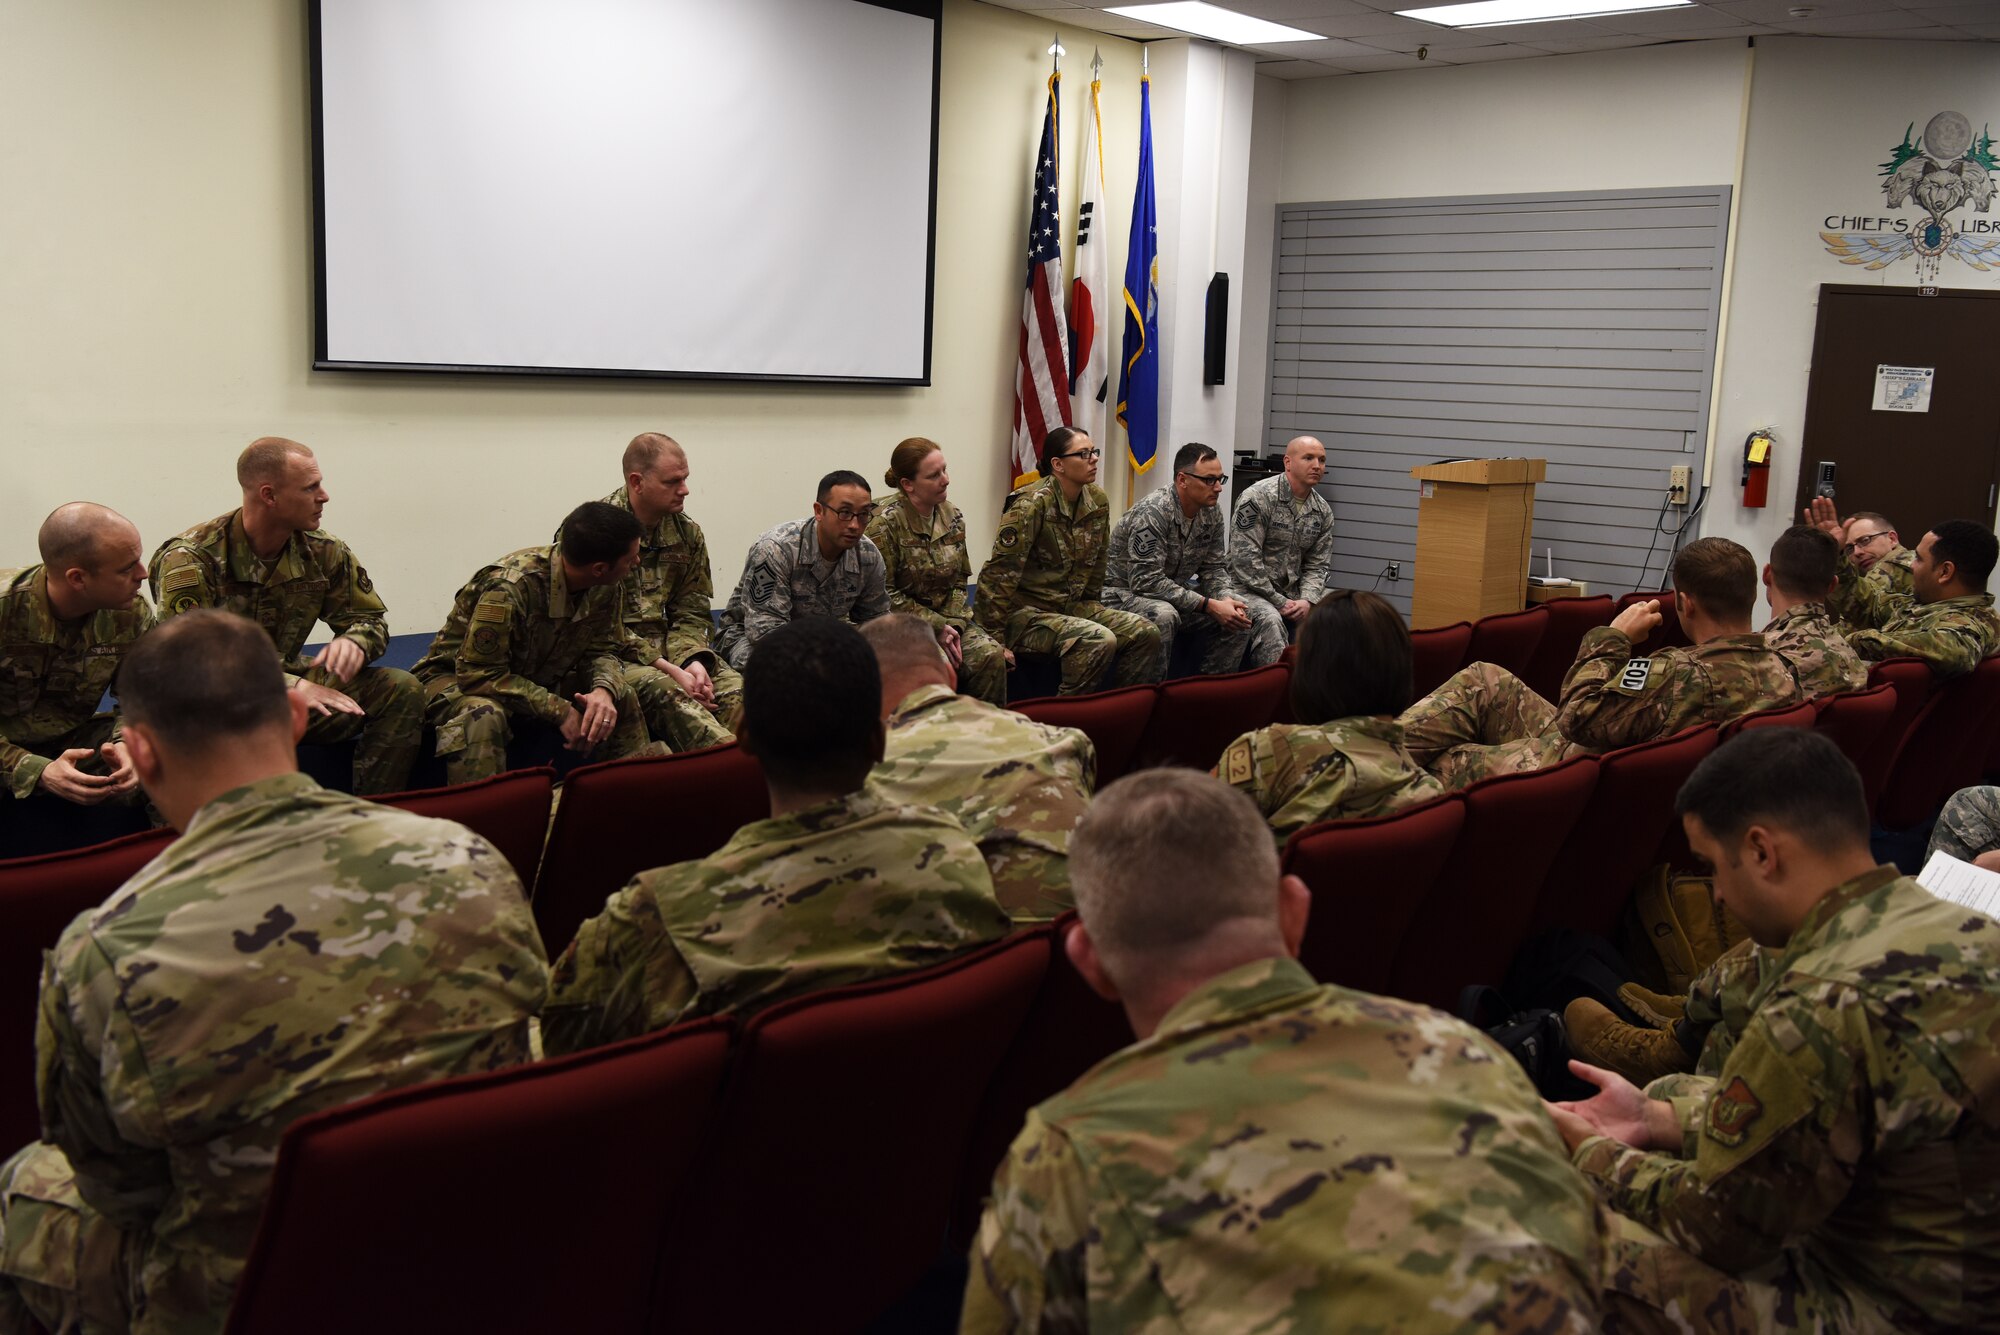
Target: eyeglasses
<point>1208,479</point>
<point>1859,543</point>
<point>847,516</point>
<point>1092,453</point>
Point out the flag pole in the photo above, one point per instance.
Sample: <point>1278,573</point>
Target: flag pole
<point>1056,55</point>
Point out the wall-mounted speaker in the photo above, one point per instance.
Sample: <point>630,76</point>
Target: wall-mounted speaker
<point>1215,339</point>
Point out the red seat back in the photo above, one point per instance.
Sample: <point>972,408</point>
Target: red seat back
<point>1616,839</point>
<point>828,1189</point>
<point>1944,750</point>
<point>1368,878</point>
<point>1194,718</point>
<point>621,817</point>
<point>1854,720</point>
<point>1478,909</point>
<point>1802,715</point>
<point>529,1199</point>
<point>1435,654</point>
<point>1114,720</point>
<point>1508,639</point>
<point>511,811</point>
<point>38,898</point>
<point>1569,619</point>
<point>1668,634</point>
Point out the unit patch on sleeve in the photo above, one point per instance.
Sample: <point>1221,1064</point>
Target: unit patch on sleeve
<point>1633,677</point>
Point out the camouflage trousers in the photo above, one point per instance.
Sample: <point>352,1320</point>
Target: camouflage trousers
<point>1718,1011</point>
<point>1086,642</point>
<point>983,671</point>
<point>63,1266</point>
<point>1651,1285</point>
<point>1484,721</point>
<point>386,737</point>
<point>728,684</point>
<point>1222,650</point>
<point>473,731</point>
<point>672,715</point>
<point>1269,632</point>
<point>1970,824</point>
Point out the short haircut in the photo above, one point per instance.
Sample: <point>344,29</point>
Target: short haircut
<point>1969,546</point>
<point>1792,778</point>
<point>1190,454</point>
<point>74,536</point>
<point>597,531</point>
<point>903,643</point>
<point>1722,576</point>
<point>1354,659</point>
<point>1058,443</point>
<point>263,460</point>
<point>906,458</point>
<point>1804,562</point>
<point>1162,859</point>
<point>839,477</point>
<point>1879,520</point>
<point>812,704</point>
<point>646,449</point>
<point>202,680</point>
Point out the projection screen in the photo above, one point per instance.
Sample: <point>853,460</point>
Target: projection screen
<point>714,188</point>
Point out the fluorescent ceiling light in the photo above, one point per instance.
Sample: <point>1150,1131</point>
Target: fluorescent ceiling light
<point>1224,25</point>
<point>1500,13</point>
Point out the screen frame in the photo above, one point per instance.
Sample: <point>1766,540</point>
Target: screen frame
<point>930,9</point>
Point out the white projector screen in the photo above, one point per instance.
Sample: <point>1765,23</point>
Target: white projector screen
<point>714,188</point>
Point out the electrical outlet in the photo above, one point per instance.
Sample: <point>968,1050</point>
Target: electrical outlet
<point>1395,571</point>
<point>1679,478</point>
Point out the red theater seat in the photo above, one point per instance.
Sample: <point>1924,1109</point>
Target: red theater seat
<point>529,1199</point>
<point>1478,910</point>
<point>1854,720</point>
<point>1195,718</point>
<point>510,810</point>
<point>1508,639</point>
<point>1668,634</point>
<point>1114,720</point>
<point>38,898</point>
<point>827,1190</point>
<point>1802,715</point>
<point>1569,619</point>
<point>1616,839</point>
<point>1944,750</point>
<point>1435,654</point>
<point>621,817</point>
<point>1912,680</point>
<point>1368,878</point>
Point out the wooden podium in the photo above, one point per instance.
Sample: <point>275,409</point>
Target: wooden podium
<point>1475,523</point>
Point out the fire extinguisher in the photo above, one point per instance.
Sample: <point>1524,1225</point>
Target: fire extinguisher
<point>1756,468</point>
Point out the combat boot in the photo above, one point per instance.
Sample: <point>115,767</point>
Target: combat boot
<point>1640,1055</point>
<point>1655,1008</point>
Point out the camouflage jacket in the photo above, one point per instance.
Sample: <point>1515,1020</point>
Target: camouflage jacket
<point>1048,556</point>
<point>516,634</point>
<point>1952,634</point>
<point>297,949</point>
<point>1891,573</point>
<point>1280,1156</point>
<point>52,674</point>
<point>1610,699</point>
<point>1806,637</point>
<point>315,578</point>
<point>1280,548</point>
<point>1851,1134</point>
<point>1017,786</point>
<point>1299,773</point>
<point>785,578</point>
<point>924,562</point>
<point>1158,552</point>
<point>838,893</point>
<point>667,596</point>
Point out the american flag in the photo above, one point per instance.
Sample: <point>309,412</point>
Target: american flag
<point>1041,385</point>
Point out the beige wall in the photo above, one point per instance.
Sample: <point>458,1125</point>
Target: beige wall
<point>156,308</point>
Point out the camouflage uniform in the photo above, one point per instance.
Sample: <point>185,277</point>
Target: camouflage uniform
<point>1951,635</point>
<point>1891,574</point>
<point>297,949</point>
<point>1484,721</point>
<point>314,578</point>
<point>1969,825</point>
<point>1166,567</point>
<point>1837,1172</point>
<point>1040,592</point>
<point>1806,637</point>
<point>785,578</point>
<point>518,642</point>
<point>1280,548</point>
<point>1299,773</point>
<point>1017,786</point>
<point>837,893</point>
<point>52,676</point>
<point>926,570</point>
<point>667,600</point>
<point>1281,1156</point>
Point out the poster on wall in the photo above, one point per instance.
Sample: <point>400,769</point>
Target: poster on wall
<point>1903,389</point>
<point>1938,173</point>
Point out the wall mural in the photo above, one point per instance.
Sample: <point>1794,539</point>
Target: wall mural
<point>1940,173</point>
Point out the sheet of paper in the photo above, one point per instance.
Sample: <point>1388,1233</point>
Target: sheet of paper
<point>1962,883</point>
<point>1903,389</point>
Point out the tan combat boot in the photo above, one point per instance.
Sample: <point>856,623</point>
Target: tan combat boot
<point>1655,1008</point>
<point>1602,1039</point>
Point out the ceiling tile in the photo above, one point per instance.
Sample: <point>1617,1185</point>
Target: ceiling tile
<point>1989,32</point>
<point>1476,55</point>
<point>1539,34</point>
<point>1036,6</point>
<point>1388,60</point>
<point>1827,25</point>
<point>1437,39</point>
<point>1296,69</point>
<point>1925,34</point>
<point>1780,11</point>
<point>1959,13</point>
<point>1572,45</point>
<point>1329,49</point>
<point>1667,22</point>
<point>1288,11</point>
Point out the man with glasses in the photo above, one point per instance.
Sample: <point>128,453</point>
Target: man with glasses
<point>1281,545</point>
<point>1871,543</point>
<point>1042,590</point>
<point>1946,619</point>
<point>822,566</point>
<point>1167,564</point>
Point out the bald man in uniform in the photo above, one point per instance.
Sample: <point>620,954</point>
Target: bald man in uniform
<point>1281,544</point>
